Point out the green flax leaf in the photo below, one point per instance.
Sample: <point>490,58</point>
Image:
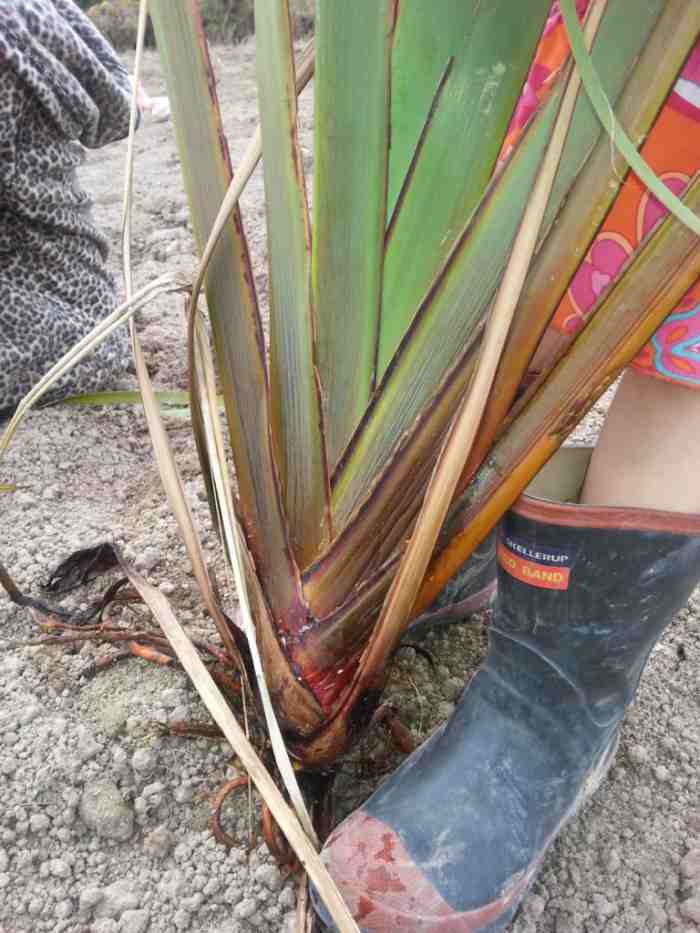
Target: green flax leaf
<point>350,176</point>
<point>296,407</point>
<point>231,300</point>
<point>491,47</point>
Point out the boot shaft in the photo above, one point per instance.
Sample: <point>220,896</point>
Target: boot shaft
<point>590,590</point>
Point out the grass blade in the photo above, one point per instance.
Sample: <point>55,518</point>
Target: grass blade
<point>620,42</point>
<point>606,115</point>
<point>350,176</point>
<point>295,401</point>
<point>177,398</point>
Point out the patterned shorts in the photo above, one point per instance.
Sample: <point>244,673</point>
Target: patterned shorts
<point>672,149</point>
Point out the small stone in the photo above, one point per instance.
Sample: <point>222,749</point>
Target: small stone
<point>24,500</point>
<point>113,718</point>
<point>59,725</point>
<point>602,907</point>
<point>211,887</point>
<point>87,746</point>
<point>182,919</point>
<point>171,697</point>
<point>29,713</point>
<point>639,754</point>
<point>143,761</point>
<point>287,899</point>
<point>445,710</point>
<point>60,868</point>
<point>64,909</point>
<point>118,897</point>
<point>105,925</point>
<point>35,906</point>
<point>245,909</point>
<point>39,823</point>
<point>141,806</point>
<point>269,876</point>
<point>148,559</point>
<point>167,587</point>
<point>134,921</point>
<point>690,909</point>
<point>173,885</point>
<point>4,860</point>
<point>154,792</point>
<point>452,687</point>
<point>120,759</point>
<point>612,860</point>
<point>103,810</point>
<point>89,899</point>
<point>8,765</point>
<point>157,204</point>
<point>662,774</point>
<point>159,842</point>
<point>534,906</point>
<point>183,794</point>
<point>658,917</point>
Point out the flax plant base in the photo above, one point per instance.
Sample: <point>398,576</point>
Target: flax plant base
<point>89,475</point>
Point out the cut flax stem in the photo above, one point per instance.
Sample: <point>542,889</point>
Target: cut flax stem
<point>448,468</point>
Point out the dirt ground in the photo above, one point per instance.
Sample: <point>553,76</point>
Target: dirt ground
<point>104,823</point>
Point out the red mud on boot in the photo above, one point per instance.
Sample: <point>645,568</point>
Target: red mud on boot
<point>386,891</point>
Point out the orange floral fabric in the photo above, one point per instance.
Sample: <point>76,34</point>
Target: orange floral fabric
<point>672,149</point>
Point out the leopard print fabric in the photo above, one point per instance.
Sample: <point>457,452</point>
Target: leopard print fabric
<point>61,88</point>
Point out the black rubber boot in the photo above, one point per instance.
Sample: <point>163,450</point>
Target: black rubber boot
<point>454,838</point>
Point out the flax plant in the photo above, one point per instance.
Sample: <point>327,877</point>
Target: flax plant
<point>379,436</point>
<point>383,309</point>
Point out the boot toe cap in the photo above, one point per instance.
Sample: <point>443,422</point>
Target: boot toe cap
<point>387,891</point>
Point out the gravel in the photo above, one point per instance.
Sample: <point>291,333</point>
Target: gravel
<point>104,826</point>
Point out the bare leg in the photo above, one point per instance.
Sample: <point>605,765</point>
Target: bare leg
<point>648,454</point>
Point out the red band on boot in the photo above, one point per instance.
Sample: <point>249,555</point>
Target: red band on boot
<point>547,569</point>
